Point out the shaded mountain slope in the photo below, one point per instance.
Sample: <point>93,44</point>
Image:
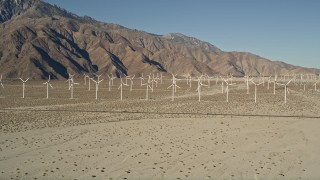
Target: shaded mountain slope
<point>38,39</point>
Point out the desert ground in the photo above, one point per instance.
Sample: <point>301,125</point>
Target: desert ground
<point>85,138</point>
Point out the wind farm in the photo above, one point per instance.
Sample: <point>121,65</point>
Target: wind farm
<point>117,105</point>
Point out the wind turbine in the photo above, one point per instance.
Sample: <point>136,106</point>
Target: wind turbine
<point>1,81</point>
<point>285,90</point>
<point>48,84</point>
<point>221,85</point>
<point>111,78</point>
<point>151,80</point>
<point>97,85</point>
<point>274,84</point>
<point>71,84</point>
<point>262,79</point>
<point>231,76</point>
<point>247,79</point>
<point>127,77</point>
<point>156,79</point>
<point>255,89</point>
<point>162,77</point>
<point>131,82</point>
<point>227,88</point>
<point>89,84</point>
<point>120,87</point>
<point>269,82</point>
<point>199,87</point>
<point>217,79</point>
<point>147,89</point>
<point>208,80</point>
<point>141,79</point>
<point>315,85</point>
<point>85,78</point>
<point>174,86</point>
<point>70,77</point>
<point>189,79</point>
<point>23,85</point>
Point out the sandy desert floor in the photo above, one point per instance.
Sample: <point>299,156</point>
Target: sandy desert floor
<point>84,138</point>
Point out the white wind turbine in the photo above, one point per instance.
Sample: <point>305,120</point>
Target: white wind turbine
<point>262,79</point>
<point>85,78</point>
<point>127,77</point>
<point>156,79</point>
<point>315,85</point>
<point>247,79</point>
<point>269,82</point>
<point>255,89</point>
<point>217,79</point>
<point>199,87</point>
<point>111,78</point>
<point>174,86</point>
<point>274,84</point>
<point>304,85</point>
<point>71,85</point>
<point>147,89</point>
<point>150,81</point>
<point>97,85</point>
<point>221,85</point>
<point>120,87</point>
<point>23,85</point>
<point>89,84</point>
<point>70,77</point>
<point>231,76</point>
<point>208,80</point>
<point>141,79</point>
<point>48,84</point>
<point>189,79</point>
<point>285,90</point>
<point>131,82</point>
<point>227,88</point>
<point>1,82</point>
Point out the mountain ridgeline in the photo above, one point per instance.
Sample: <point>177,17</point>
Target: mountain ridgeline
<point>39,39</point>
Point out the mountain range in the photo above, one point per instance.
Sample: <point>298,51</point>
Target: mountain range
<point>39,39</point>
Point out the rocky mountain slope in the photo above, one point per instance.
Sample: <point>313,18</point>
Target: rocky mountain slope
<point>38,39</point>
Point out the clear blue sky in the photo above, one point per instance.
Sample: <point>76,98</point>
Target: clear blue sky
<point>286,30</point>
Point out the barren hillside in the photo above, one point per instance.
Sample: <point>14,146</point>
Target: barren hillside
<point>38,39</point>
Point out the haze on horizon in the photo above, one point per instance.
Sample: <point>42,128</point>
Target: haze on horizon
<point>285,30</point>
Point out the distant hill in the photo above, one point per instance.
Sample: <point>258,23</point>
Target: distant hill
<point>38,39</point>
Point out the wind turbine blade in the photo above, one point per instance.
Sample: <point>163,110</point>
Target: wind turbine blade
<point>50,85</point>
<point>225,80</point>
<point>93,80</point>
<point>170,86</point>
<point>289,81</point>
<point>2,85</point>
